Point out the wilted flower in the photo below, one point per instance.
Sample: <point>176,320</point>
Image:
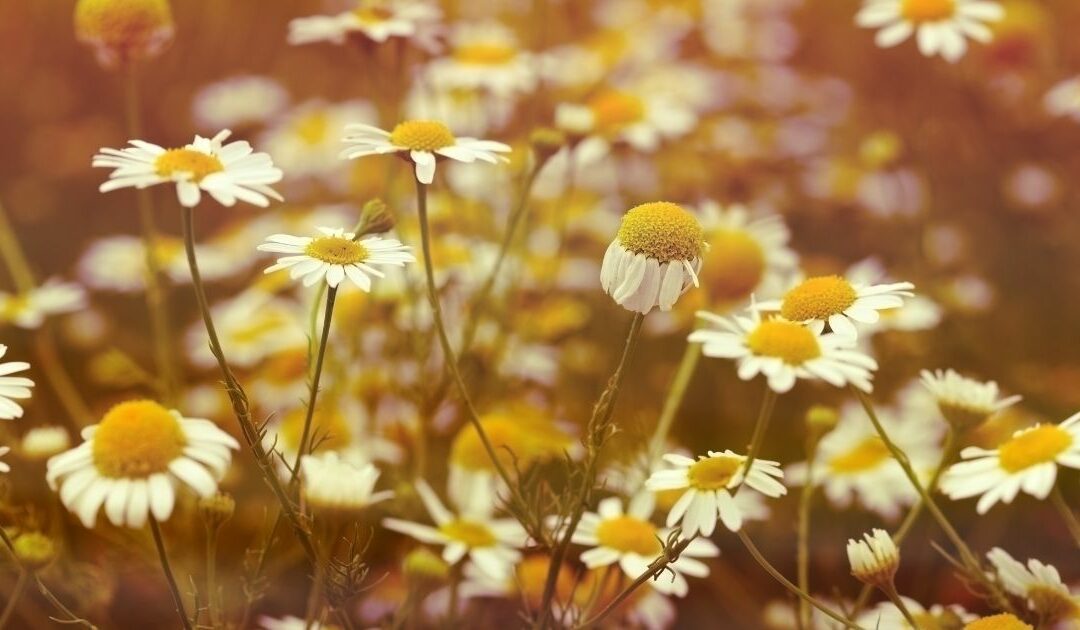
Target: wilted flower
<point>964,401</point>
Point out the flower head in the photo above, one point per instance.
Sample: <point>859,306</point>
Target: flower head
<point>12,386</point>
<point>43,442</point>
<point>1004,621</point>
<point>29,310</point>
<point>875,559</point>
<point>484,56</point>
<point>940,26</point>
<point>336,255</point>
<point>228,172</point>
<point>1038,583</point>
<point>336,486</point>
<point>964,401</point>
<point>375,20</point>
<point>123,31</point>
<point>132,461</point>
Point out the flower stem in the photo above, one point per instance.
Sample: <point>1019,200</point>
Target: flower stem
<point>683,375</point>
<point>313,391</point>
<point>760,428</point>
<point>13,599</point>
<point>802,557</point>
<point>212,604</point>
<point>1066,513</point>
<point>178,599</point>
<point>894,597</point>
<point>70,617</point>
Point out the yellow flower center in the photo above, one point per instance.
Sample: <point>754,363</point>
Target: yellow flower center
<point>517,439</point>
<point>714,473</point>
<point>137,439</point>
<point>818,298</point>
<point>613,109</point>
<point>470,533</point>
<point>663,231</point>
<point>791,342</point>
<point>927,10</point>
<point>867,455</point>
<point>485,54</point>
<point>190,162</point>
<point>373,14</point>
<point>328,429</point>
<point>14,306</point>
<point>1035,446</point>
<point>313,128</point>
<point>128,24</point>
<point>336,250</point>
<point>629,535</point>
<point>734,267</point>
<point>532,578</point>
<point>422,135</point>
<point>1004,621</point>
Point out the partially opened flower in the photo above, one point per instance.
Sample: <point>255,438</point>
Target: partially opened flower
<point>710,483</point>
<point>424,142</point>
<point>654,258</point>
<point>964,401</point>
<point>375,20</point>
<point>336,255</point>
<point>29,310</point>
<point>784,351</point>
<point>1028,461</point>
<point>228,172</point>
<point>1038,583</point>
<point>875,559</point>
<point>333,485</point>
<point>133,460</point>
<point>940,26</point>
<point>12,386</point>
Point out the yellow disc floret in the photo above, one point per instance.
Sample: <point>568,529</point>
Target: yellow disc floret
<point>370,14</point>
<point>422,135</point>
<point>734,267</point>
<point>469,533</point>
<point>661,230</point>
<point>818,298</point>
<point>187,162</point>
<point>867,455</point>
<point>1038,445</point>
<point>312,128</point>
<point>128,28</point>
<point>927,10</point>
<point>138,438</point>
<point>1004,621</point>
<point>485,54</point>
<point>613,109</point>
<point>336,250</point>
<point>714,473</point>
<point>629,535</point>
<point>791,342</point>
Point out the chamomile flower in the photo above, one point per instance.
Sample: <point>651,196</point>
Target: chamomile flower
<point>887,616</point>
<point>12,387</point>
<point>252,325</point>
<point>484,56</point>
<point>425,141</point>
<point>709,483</point>
<point>306,140</point>
<point>118,263</point>
<point>29,310</point>
<point>1038,583</point>
<point>44,442</point>
<point>784,351</point>
<point>654,258</point>
<point>875,559</point>
<point>940,26</point>
<point>621,115</point>
<point>375,20</point>
<point>333,485</point>
<point>340,425</point>
<point>965,402</point>
<point>336,255</point>
<point>228,172</point>
<point>1063,99</point>
<point>133,460</point>
<point>838,302</point>
<point>628,538</point>
<point>1003,621</point>
<point>1027,461</point>
<point>491,543</point>
<point>238,101</point>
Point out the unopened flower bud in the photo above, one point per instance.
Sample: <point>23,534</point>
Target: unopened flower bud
<point>423,565</point>
<point>121,31</point>
<point>217,509</point>
<point>34,550</point>
<point>820,419</point>
<point>376,218</point>
<point>875,559</point>
<point>546,142</point>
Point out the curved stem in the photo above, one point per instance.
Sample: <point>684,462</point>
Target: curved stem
<point>178,599</point>
<point>313,390</point>
<point>683,375</point>
<point>1066,514</point>
<point>760,428</point>
<point>897,601</point>
<point>13,599</point>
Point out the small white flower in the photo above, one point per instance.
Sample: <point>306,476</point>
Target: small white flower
<point>1028,461</point>
<point>487,57</point>
<point>306,140</point>
<point>1064,99</point>
<point>228,172</point>
<point>43,442</point>
<point>940,26</point>
<point>133,460</point>
<point>335,256</point>
<point>641,120</point>
<point>12,386</point>
<point>238,101</point>
<point>964,401</point>
<point>425,141</point>
<point>874,559</point>
<point>784,351</point>
<point>332,484</point>
<point>376,20</point>
<point>1038,583</point>
<point>118,263</point>
<point>252,325</point>
<point>887,616</point>
<point>29,310</point>
<point>710,483</point>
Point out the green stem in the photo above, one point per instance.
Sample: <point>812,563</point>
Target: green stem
<point>178,599</point>
<point>1066,514</point>
<point>683,375</point>
<point>13,599</point>
<point>760,428</point>
<point>895,598</point>
<point>803,552</point>
<point>313,390</point>
<point>212,604</point>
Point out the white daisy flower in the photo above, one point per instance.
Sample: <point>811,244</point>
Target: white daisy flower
<point>964,401</point>
<point>118,263</point>
<point>875,559</point>
<point>425,141</point>
<point>1028,461</point>
<point>4,467</point>
<point>133,460</point>
<point>29,310</point>
<point>641,120</point>
<point>631,540</point>
<point>306,140</point>
<point>654,258</point>
<point>710,483</point>
<point>887,616</point>
<point>484,57</point>
<point>12,386</point>
<point>43,442</point>
<point>940,26</point>
<point>1064,99</point>
<point>332,484</point>
<point>252,325</point>
<point>1039,584</point>
<point>784,351</point>
<point>491,543</point>
<point>838,302</point>
<point>376,20</point>
<point>229,172</point>
<point>335,256</point>
<point>238,101</point>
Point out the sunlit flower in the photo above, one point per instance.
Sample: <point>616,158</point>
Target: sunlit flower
<point>964,401</point>
<point>1028,461</point>
<point>238,101</point>
<point>306,140</point>
<point>12,386</point>
<point>133,460</point>
<point>118,263</point>
<point>484,57</point>
<point>709,483</point>
<point>838,302</point>
<point>376,20</point>
<point>29,310</point>
<point>630,540</point>
<point>654,258</point>
<point>425,141</point>
<point>335,256</point>
<point>334,485</point>
<point>1064,99</point>
<point>1038,583</point>
<point>124,31</point>
<point>875,559</point>
<point>784,351</point>
<point>228,172</point>
<point>940,26</point>
<point>618,115</point>
<point>491,543</point>
<point>887,616</point>
<point>43,442</point>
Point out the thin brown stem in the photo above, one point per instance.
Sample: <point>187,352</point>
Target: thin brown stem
<point>178,598</point>
<point>760,428</point>
<point>683,375</point>
<point>13,599</point>
<point>1066,514</point>
<point>313,390</point>
<point>802,557</point>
